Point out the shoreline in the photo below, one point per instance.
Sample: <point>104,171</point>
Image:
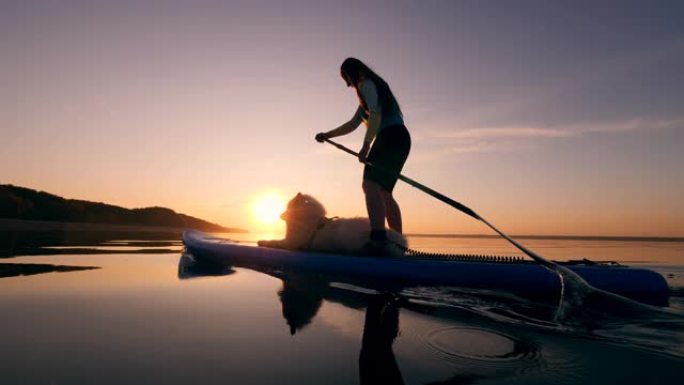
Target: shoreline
<point>7,224</point>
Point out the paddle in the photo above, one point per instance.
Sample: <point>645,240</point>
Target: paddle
<point>463,208</point>
<point>581,290</point>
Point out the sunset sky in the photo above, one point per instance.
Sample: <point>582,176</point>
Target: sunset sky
<point>545,117</point>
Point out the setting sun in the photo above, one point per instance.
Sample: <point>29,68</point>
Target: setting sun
<point>267,208</point>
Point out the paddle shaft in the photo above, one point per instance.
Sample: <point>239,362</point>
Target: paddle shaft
<point>457,205</point>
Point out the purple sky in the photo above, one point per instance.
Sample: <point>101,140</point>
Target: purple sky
<point>545,117</point>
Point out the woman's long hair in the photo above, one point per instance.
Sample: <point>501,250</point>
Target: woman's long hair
<point>355,69</point>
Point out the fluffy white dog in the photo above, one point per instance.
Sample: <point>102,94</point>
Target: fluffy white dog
<point>307,228</point>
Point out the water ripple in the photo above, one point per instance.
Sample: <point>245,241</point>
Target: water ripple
<point>488,353</point>
<point>488,347</point>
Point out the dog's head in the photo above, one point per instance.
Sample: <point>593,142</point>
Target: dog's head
<point>303,207</point>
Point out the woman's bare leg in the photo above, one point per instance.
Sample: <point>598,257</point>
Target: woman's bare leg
<point>375,204</point>
<point>392,211</point>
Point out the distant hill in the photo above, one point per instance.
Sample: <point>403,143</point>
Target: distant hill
<point>27,204</point>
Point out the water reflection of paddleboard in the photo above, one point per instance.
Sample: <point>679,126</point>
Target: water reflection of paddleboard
<point>188,268</point>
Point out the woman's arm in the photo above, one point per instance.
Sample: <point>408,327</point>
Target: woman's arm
<point>344,129</point>
<point>370,96</point>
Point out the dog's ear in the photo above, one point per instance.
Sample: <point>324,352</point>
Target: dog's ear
<point>298,195</point>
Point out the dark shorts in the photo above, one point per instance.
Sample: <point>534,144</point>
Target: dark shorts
<point>389,152</point>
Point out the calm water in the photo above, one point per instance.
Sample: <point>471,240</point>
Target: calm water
<point>155,318</point>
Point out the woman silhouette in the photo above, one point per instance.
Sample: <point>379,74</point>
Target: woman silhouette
<point>386,146</point>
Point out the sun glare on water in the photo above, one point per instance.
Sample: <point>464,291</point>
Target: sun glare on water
<point>268,207</point>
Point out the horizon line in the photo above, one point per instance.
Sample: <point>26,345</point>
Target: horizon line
<point>632,238</point>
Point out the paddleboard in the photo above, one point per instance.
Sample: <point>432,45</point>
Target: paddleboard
<point>517,276</point>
